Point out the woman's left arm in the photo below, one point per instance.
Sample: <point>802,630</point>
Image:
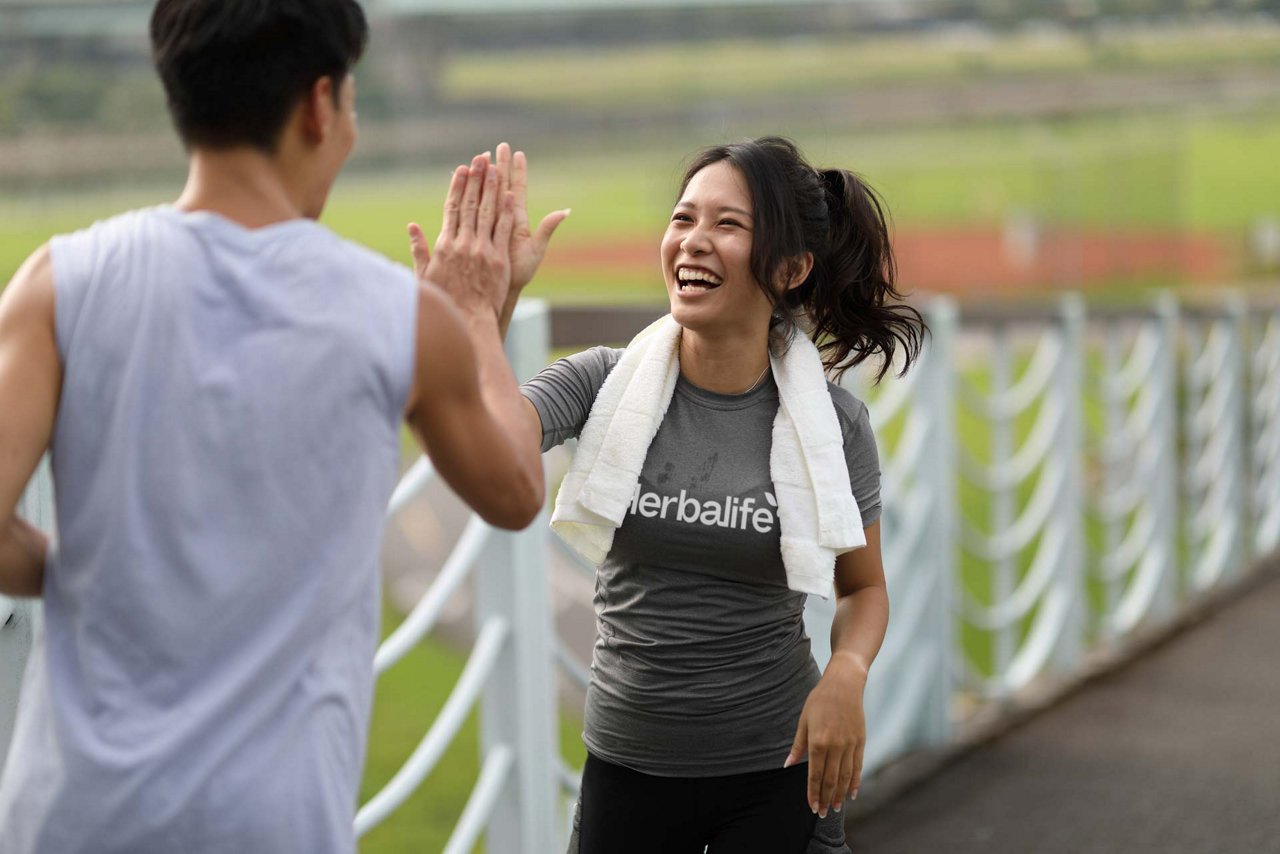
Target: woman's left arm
<point>832,728</point>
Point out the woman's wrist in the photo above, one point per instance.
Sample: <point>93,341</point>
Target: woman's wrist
<point>849,667</point>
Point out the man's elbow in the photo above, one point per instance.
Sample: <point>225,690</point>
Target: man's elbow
<point>519,505</point>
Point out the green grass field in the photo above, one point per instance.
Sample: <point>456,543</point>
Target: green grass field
<point>1199,173</point>
<point>747,69</point>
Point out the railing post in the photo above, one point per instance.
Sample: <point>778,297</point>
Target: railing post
<point>1168,475</point>
<point>512,580</point>
<point>1072,581</point>
<point>1004,508</point>
<point>1264,397</point>
<point>1112,449</point>
<point>941,471</point>
<point>1236,319</point>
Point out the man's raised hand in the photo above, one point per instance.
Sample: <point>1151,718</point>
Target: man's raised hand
<point>471,262</point>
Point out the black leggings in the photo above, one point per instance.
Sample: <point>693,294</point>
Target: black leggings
<point>626,812</point>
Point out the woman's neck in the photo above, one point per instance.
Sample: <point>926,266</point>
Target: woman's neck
<point>725,365</point>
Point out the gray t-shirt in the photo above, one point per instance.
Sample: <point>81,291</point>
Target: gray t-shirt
<point>701,663</point>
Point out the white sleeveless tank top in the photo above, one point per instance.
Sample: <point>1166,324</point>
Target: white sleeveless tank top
<point>226,441</point>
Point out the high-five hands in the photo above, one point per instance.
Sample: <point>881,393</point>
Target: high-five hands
<point>505,180</point>
<point>472,260</point>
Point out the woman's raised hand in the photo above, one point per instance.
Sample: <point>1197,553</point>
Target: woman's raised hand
<point>472,259</point>
<point>527,247</point>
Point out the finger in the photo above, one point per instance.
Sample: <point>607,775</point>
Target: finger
<point>831,790</point>
<point>799,746</point>
<point>418,248</point>
<point>548,226</point>
<point>471,196</point>
<point>856,780</point>
<point>817,768</point>
<point>488,204</point>
<point>506,220</point>
<point>843,779</point>
<point>453,202</point>
<point>520,185</point>
<point>504,169</point>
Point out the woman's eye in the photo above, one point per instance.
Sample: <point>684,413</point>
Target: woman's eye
<point>732,222</point>
<point>681,218</point>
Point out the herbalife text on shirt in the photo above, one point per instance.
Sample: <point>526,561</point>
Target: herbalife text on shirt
<point>733,512</point>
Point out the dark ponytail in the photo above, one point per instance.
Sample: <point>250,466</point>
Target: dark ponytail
<point>849,299</point>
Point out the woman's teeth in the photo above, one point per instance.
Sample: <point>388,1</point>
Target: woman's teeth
<point>697,280</point>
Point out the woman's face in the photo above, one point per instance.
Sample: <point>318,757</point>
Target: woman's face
<point>706,255</point>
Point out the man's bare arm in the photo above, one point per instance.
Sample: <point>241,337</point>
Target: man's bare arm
<point>469,414</point>
<point>30,385</point>
<point>466,407</point>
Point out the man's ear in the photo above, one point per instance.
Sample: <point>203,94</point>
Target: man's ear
<point>799,269</point>
<point>318,109</point>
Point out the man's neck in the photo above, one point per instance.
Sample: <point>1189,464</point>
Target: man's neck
<point>243,185</point>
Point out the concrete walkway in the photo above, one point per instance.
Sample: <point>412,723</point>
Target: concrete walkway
<point>1178,752</point>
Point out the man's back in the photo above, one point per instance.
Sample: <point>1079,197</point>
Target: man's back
<point>212,603</point>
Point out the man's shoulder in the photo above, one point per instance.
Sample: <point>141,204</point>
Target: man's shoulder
<point>111,225</point>
<point>357,256</point>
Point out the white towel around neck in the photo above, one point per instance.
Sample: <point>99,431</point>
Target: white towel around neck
<point>817,513</point>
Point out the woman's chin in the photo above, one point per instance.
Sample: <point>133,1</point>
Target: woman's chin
<point>688,316</point>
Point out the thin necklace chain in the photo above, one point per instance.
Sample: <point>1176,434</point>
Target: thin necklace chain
<point>760,378</point>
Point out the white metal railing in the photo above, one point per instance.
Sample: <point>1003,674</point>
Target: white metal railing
<point>1051,483</point>
<point>1137,502</point>
<point>1031,608</point>
<point>509,671</point>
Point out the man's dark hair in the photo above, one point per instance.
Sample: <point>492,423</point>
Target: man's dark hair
<point>233,70</point>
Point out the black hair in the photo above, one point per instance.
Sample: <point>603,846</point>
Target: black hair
<point>233,70</point>
<point>849,298</point>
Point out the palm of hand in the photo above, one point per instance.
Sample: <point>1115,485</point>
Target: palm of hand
<point>526,254</point>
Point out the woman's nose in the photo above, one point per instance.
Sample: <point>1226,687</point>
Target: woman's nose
<point>695,242</point>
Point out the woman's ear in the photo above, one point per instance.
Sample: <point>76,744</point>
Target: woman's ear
<point>799,269</point>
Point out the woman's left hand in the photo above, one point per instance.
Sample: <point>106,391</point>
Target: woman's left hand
<point>833,731</point>
<point>527,246</point>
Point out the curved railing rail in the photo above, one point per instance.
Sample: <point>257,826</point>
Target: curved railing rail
<point>1023,547</point>
<point>1052,482</point>
<point>1136,501</point>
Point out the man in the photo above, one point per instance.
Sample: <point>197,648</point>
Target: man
<point>221,382</point>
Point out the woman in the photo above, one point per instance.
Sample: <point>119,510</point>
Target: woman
<point>707,722</point>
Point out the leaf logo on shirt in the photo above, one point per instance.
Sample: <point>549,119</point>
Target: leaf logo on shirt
<point>773,502</point>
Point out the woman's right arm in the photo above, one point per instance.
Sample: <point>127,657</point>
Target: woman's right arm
<point>560,397</point>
